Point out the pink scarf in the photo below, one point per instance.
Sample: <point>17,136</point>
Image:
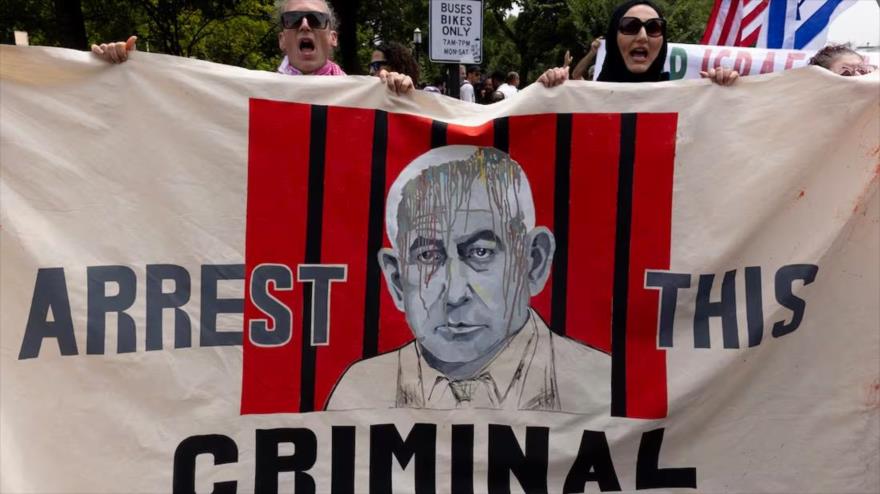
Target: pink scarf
<point>329,68</point>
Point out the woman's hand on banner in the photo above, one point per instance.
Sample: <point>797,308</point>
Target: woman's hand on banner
<point>396,82</point>
<point>554,77</point>
<point>720,76</point>
<point>115,52</point>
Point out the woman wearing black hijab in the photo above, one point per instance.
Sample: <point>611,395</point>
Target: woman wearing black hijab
<point>635,49</point>
<point>635,44</point>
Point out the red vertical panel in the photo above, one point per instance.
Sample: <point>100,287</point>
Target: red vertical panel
<point>595,144</point>
<point>533,146</point>
<point>481,135</point>
<point>408,137</point>
<point>345,222</point>
<point>278,159</point>
<point>649,249</point>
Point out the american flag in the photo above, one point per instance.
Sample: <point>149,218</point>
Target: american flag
<point>735,22</point>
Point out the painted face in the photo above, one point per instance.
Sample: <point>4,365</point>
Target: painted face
<point>639,50</point>
<point>850,64</point>
<point>307,48</point>
<point>377,62</point>
<point>462,255</point>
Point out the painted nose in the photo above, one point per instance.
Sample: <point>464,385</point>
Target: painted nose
<point>459,290</point>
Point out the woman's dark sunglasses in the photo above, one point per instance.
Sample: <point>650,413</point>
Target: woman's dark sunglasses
<point>377,65</point>
<point>315,20</point>
<point>632,25</point>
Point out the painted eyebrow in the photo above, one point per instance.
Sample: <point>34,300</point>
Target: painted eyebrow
<point>473,238</point>
<point>420,242</point>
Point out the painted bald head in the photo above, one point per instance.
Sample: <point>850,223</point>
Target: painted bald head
<point>467,256</point>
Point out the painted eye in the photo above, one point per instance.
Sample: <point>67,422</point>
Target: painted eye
<point>481,253</point>
<point>430,257</point>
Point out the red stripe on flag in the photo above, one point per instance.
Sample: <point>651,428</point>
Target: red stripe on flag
<point>595,159</point>
<point>728,23</point>
<point>752,39</point>
<point>344,240</point>
<point>710,26</point>
<point>481,135</point>
<point>646,393</point>
<point>533,145</point>
<point>754,14</point>
<point>408,137</point>
<point>277,188</point>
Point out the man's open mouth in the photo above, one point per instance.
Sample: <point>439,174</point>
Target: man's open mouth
<point>306,45</point>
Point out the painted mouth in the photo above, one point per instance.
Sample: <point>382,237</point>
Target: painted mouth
<point>461,329</point>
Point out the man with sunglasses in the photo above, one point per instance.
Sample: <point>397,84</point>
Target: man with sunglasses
<point>307,39</point>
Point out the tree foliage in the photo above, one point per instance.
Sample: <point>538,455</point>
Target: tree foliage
<point>524,35</point>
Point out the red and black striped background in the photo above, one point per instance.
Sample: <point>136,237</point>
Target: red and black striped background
<point>317,181</point>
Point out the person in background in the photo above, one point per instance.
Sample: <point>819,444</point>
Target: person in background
<point>307,39</point>
<point>589,60</point>
<point>394,57</point>
<point>489,87</point>
<point>510,86</point>
<point>842,60</point>
<point>472,76</point>
<point>436,86</point>
<point>635,49</point>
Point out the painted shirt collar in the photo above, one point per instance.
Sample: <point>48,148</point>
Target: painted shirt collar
<point>499,385</point>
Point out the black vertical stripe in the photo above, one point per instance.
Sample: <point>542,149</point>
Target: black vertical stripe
<point>374,234</point>
<point>561,194</point>
<point>314,218</point>
<point>501,134</point>
<point>438,133</point>
<point>462,468</point>
<point>621,263</point>
<point>342,457</point>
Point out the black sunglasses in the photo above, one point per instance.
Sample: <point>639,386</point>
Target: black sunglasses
<point>632,25</point>
<point>377,65</point>
<point>315,20</point>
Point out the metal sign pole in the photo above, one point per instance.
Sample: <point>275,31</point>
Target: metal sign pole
<point>453,80</point>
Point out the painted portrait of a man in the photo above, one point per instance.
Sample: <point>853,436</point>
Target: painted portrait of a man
<point>465,259</point>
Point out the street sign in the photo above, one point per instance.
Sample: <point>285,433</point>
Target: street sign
<point>456,29</point>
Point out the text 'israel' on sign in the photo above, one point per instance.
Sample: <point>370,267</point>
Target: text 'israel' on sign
<point>456,31</point>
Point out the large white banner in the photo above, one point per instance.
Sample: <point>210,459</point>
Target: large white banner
<point>214,279</point>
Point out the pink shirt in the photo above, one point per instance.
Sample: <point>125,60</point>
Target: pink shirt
<point>329,68</point>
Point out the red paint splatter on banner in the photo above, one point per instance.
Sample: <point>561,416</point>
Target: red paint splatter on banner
<point>872,395</point>
<point>801,194</point>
